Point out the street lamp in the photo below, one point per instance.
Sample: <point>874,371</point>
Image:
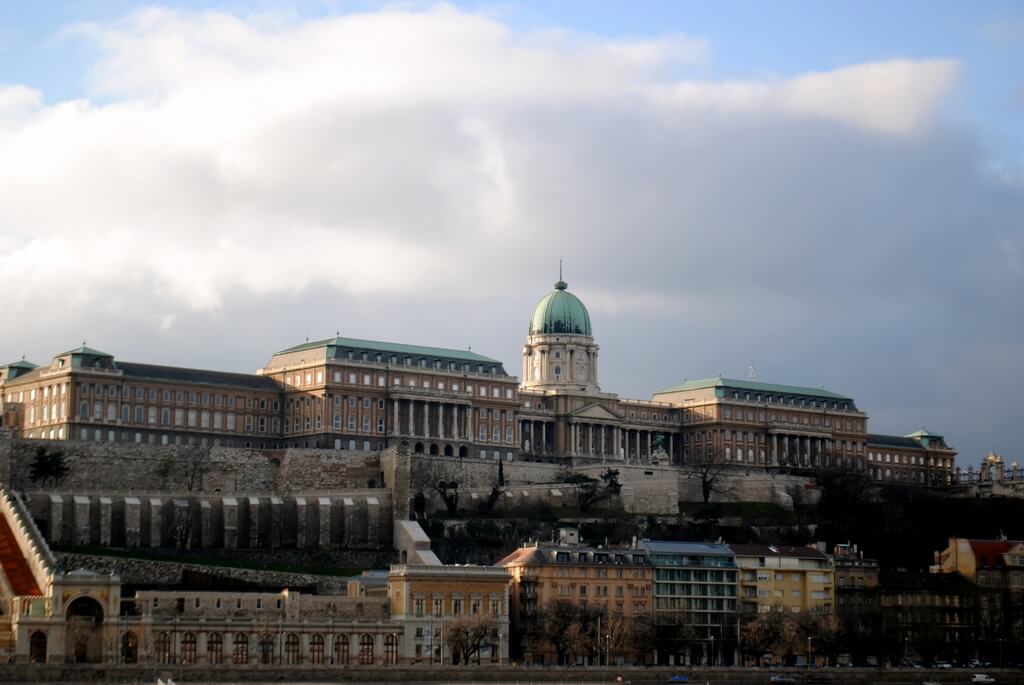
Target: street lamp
<point>712,649</point>
<point>808,651</point>
<point>608,649</point>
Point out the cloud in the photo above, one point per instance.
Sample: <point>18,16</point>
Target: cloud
<point>416,175</point>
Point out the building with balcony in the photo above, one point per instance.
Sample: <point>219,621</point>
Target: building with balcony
<point>609,588</point>
<point>695,602</point>
<point>782,578</point>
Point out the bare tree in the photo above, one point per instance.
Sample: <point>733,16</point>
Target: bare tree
<point>442,478</point>
<point>467,635</point>
<point>710,469</point>
<point>590,491</point>
<point>192,470</point>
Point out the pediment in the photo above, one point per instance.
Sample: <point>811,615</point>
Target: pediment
<point>597,412</point>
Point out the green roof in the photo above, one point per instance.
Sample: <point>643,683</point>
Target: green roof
<point>396,348</point>
<point>753,385</point>
<point>84,350</point>
<point>20,364</point>
<point>560,312</point>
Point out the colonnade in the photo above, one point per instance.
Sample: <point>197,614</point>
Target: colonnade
<point>431,419</point>
<point>595,440</point>
<point>800,450</point>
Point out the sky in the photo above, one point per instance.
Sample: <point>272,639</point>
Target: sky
<point>832,193</point>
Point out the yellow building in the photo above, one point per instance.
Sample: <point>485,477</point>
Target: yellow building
<point>451,614</point>
<point>612,583</point>
<point>779,578</point>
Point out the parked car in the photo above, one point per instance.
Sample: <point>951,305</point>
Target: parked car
<point>942,664</point>
<point>782,679</point>
<point>982,678</point>
<point>679,678</point>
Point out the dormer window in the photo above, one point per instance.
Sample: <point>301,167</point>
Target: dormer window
<point>60,363</point>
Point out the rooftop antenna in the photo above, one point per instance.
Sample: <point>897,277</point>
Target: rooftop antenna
<point>559,268</point>
<point>751,372</point>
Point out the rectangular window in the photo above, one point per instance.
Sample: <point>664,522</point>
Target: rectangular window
<point>179,417</point>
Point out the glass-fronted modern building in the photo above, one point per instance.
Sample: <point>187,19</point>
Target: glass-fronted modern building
<point>695,602</point>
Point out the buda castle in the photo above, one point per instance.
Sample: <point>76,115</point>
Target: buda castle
<point>350,394</point>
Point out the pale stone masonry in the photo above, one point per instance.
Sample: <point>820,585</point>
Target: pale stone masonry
<point>363,396</point>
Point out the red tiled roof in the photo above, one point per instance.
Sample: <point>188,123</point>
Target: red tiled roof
<point>989,553</point>
<point>19,575</point>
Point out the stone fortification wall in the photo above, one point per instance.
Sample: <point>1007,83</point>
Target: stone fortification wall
<point>645,488</point>
<point>354,519</point>
<point>121,467</point>
<point>738,484</point>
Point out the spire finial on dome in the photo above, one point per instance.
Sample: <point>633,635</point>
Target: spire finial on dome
<point>560,285</point>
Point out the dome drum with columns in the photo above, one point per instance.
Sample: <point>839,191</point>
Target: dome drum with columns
<point>560,350</point>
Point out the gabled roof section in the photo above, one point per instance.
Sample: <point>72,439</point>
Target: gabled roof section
<point>923,433</point>
<point>596,411</point>
<point>82,349</point>
<point>732,383</point>
<point>20,364</point>
<point>671,547</point>
<point>777,551</point>
<point>904,442</point>
<point>393,348</point>
<point>183,375</point>
<point>525,556</point>
<point>989,553</point>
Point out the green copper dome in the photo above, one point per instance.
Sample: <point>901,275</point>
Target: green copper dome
<point>560,312</point>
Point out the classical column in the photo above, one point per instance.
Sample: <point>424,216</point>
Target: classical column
<point>604,429</point>
<point>543,437</point>
<point>590,438</point>
<point>648,445</point>
<point>638,446</point>
<point>440,419</point>
<point>426,419</point>
<point>412,419</point>
<point>671,448</point>
<point>395,423</point>
<point>617,441</point>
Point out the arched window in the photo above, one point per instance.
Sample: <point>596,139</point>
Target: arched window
<point>37,647</point>
<point>366,649</point>
<point>130,648</point>
<point>316,648</point>
<point>267,649</point>
<point>188,648</point>
<point>241,648</point>
<point>341,650</point>
<point>558,373</point>
<point>291,648</point>
<point>215,648</point>
<point>163,648</point>
<point>391,650</point>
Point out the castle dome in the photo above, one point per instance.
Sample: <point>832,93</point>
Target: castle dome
<point>560,312</point>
